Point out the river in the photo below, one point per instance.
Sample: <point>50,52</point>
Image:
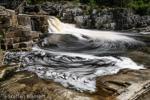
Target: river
<point>75,57</point>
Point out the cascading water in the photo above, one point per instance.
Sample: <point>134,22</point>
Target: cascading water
<point>76,57</point>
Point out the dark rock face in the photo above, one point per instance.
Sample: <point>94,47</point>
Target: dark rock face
<point>125,19</point>
<point>17,29</point>
<point>32,9</point>
<point>51,8</point>
<point>11,4</point>
<point>114,19</point>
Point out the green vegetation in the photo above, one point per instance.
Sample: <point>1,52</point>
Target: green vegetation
<point>92,4</point>
<point>36,1</point>
<point>0,36</point>
<point>141,7</point>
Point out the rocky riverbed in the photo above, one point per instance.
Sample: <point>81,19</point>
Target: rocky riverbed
<point>28,86</point>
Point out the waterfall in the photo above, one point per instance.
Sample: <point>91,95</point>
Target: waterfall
<point>55,25</point>
<point>64,35</point>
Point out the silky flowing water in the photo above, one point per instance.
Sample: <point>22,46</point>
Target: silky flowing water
<point>75,57</point>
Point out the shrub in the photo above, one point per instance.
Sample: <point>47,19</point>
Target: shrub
<point>77,1</point>
<point>35,1</point>
<point>140,6</point>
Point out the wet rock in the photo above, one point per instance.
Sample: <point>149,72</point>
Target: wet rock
<point>20,49</point>
<point>140,57</point>
<point>27,84</point>
<point>117,84</point>
<point>5,70</point>
<point>26,44</point>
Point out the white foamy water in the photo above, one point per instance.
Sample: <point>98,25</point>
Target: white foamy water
<point>55,26</point>
<point>78,73</point>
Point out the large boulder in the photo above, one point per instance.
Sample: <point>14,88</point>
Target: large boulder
<point>51,8</point>
<point>114,19</point>
<point>69,14</point>
<point>103,22</point>
<point>127,19</point>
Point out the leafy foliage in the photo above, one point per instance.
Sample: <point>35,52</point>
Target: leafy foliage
<point>0,36</point>
<point>140,6</point>
<point>36,1</point>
